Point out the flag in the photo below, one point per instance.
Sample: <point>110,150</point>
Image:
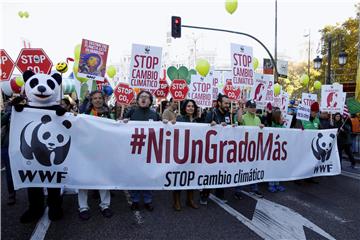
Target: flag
<point>346,113</point>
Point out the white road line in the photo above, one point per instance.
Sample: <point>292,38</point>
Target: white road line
<point>351,175</point>
<point>41,227</point>
<point>139,219</point>
<point>273,221</point>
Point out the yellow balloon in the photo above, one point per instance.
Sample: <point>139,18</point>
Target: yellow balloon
<point>231,6</point>
<point>26,14</point>
<point>19,81</point>
<point>111,71</point>
<point>255,63</point>
<point>277,89</point>
<point>317,85</point>
<point>304,79</point>
<point>77,51</point>
<point>21,14</point>
<point>203,67</point>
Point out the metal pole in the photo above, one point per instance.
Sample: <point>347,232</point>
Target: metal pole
<point>240,33</point>
<point>308,86</point>
<point>328,78</point>
<point>276,37</point>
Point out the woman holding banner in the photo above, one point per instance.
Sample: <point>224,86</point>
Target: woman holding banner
<point>277,122</point>
<point>97,108</point>
<point>189,112</point>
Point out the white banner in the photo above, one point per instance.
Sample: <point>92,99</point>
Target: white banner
<point>200,90</point>
<point>303,112</point>
<point>282,67</point>
<point>332,98</point>
<point>145,66</point>
<point>262,90</point>
<point>242,65</point>
<point>308,99</point>
<point>87,152</point>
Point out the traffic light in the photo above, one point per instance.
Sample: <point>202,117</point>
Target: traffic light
<point>176,27</point>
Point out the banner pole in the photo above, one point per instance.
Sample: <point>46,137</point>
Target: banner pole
<point>122,111</point>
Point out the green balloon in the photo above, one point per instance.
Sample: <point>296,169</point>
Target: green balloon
<point>172,73</point>
<point>231,6</point>
<point>317,85</point>
<point>183,72</point>
<point>111,71</point>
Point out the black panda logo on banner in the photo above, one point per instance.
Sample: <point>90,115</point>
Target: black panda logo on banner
<point>322,145</point>
<point>46,142</point>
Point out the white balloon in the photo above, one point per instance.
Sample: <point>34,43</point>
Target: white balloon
<point>6,88</point>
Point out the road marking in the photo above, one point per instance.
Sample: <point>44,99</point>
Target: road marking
<point>273,221</point>
<point>351,175</point>
<point>41,227</point>
<point>313,208</point>
<point>139,219</point>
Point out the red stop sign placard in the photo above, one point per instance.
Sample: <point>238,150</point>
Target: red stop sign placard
<point>7,65</point>
<point>231,92</point>
<point>124,94</point>
<point>34,59</point>
<point>163,90</point>
<point>179,89</point>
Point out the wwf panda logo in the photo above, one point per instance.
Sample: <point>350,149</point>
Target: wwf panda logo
<point>46,142</point>
<point>322,145</point>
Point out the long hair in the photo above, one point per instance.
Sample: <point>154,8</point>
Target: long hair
<point>183,108</point>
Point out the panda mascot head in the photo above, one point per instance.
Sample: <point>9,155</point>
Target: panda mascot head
<point>42,90</point>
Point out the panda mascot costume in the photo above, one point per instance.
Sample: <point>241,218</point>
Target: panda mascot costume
<point>42,92</point>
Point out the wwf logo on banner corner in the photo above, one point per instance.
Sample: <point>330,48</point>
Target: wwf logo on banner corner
<point>46,141</point>
<point>322,145</point>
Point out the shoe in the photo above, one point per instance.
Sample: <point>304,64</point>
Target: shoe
<point>237,196</point>
<point>11,199</point>
<point>203,201</point>
<point>135,206</point>
<point>280,188</point>
<point>176,196</point>
<point>311,180</point>
<point>31,216</point>
<point>106,212</point>
<point>257,194</point>
<point>84,215</point>
<point>190,200</point>
<point>149,207</point>
<point>55,214</point>
<point>272,189</point>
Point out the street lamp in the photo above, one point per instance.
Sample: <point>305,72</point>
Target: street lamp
<point>342,58</point>
<point>342,61</point>
<point>317,62</point>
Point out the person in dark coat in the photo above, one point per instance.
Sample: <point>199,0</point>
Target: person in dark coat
<point>189,113</point>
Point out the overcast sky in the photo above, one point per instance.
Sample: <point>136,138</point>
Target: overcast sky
<point>57,26</point>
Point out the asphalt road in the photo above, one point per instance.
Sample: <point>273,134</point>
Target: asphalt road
<point>328,210</point>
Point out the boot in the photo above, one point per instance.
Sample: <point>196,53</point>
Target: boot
<point>190,199</point>
<point>176,195</point>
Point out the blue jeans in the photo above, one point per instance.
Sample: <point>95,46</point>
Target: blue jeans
<point>272,184</point>
<point>135,196</point>
<point>253,188</point>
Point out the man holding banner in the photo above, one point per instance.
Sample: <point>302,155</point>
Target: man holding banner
<point>220,115</point>
<point>142,113</point>
<point>249,119</point>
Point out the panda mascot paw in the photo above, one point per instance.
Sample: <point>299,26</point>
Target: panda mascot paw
<point>43,91</point>
<point>17,103</point>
